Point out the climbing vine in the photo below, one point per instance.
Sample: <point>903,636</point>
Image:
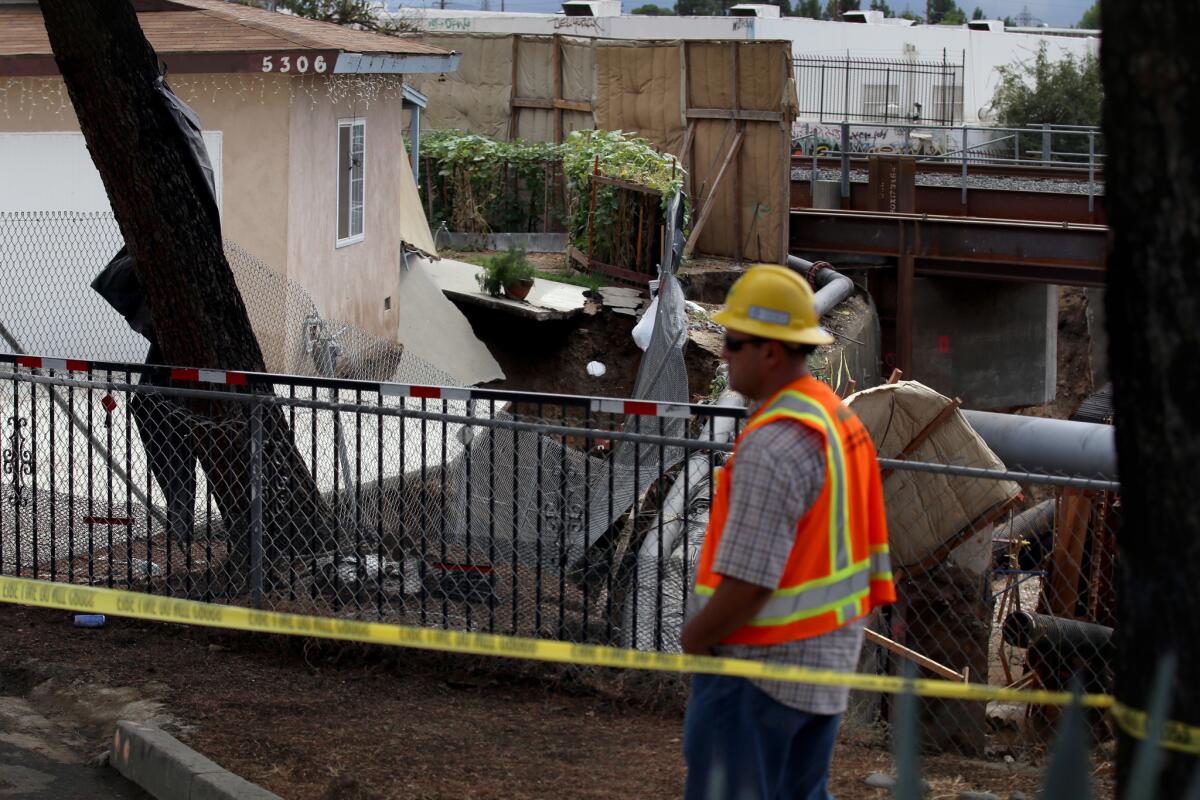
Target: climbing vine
<point>477,184</point>
<point>626,157</point>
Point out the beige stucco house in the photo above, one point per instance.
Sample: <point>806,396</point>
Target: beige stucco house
<point>304,123</point>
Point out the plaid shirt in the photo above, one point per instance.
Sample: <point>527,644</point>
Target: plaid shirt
<point>780,470</point>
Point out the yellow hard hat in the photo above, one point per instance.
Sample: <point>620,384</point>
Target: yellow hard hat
<point>772,302</point>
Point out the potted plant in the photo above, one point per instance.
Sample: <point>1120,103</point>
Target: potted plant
<point>509,272</point>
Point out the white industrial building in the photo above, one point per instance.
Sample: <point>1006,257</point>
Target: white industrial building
<point>864,69</point>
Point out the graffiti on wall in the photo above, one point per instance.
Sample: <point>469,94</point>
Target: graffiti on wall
<point>447,23</point>
<point>810,139</point>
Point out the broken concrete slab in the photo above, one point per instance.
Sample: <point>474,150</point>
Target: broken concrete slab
<point>435,330</point>
<point>547,300</point>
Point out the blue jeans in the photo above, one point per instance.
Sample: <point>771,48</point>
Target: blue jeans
<point>740,744</point>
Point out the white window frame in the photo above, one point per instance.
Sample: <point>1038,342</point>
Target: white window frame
<point>353,237</point>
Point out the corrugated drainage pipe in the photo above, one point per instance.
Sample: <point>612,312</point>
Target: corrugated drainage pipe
<point>832,287</point>
<point>659,617</point>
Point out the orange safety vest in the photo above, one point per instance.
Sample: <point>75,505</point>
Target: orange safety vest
<point>839,568</point>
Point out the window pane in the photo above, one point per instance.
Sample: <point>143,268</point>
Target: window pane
<point>343,185</point>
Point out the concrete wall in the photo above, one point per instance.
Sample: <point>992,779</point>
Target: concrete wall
<point>993,344</point>
<point>984,50</point>
<point>349,282</point>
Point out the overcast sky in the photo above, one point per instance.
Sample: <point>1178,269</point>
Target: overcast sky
<point>1056,13</point>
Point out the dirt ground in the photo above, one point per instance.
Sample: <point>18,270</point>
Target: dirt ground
<point>317,720</point>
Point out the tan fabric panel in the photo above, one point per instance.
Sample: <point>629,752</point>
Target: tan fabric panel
<point>639,88</point>
<point>534,68</point>
<point>577,121</point>
<point>763,171</point>
<point>474,98</point>
<point>711,142</point>
<point>535,125</point>
<point>710,74</point>
<point>579,69</point>
<point>761,166</point>
<point>764,73</point>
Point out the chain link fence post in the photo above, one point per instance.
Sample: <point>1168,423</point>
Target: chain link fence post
<point>256,503</point>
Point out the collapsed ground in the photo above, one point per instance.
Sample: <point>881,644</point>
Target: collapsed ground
<point>351,722</point>
<point>356,723</point>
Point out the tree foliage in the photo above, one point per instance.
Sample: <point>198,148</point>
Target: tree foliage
<point>1091,18</point>
<point>881,5</point>
<point>977,13</point>
<point>693,8</point>
<point>809,8</point>
<point>1065,92</point>
<point>946,12</point>
<point>360,14</point>
<point>835,8</point>
<point>651,10</point>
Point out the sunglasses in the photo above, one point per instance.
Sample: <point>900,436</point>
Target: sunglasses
<point>736,345</point>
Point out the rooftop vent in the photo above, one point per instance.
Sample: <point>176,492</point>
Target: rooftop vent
<point>592,8</point>
<point>863,17</point>
<point>754,10</point>
<point>996,25</point>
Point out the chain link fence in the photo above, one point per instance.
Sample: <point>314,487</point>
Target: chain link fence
<point>573,518</point>
<point>413,501</point>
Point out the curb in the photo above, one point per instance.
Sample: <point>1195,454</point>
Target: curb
<point>170,770</point>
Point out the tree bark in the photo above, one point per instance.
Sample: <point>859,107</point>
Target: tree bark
<point>1151,69</point>
<point>161,203</point>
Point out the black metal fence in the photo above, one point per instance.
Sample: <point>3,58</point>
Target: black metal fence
<point>878,90</point>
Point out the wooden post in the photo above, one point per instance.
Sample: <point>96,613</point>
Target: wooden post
<point>592,210</point>
<point>556,65</point>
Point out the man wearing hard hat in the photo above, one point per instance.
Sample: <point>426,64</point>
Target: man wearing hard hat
<point>794,558</point>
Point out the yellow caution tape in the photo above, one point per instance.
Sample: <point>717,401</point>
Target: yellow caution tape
<point>190,612</point>
<point>1175,736</point>
<point>116,602</point>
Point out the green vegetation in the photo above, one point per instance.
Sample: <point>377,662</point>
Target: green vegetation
<point>361,14</point>
<point>1091,18</point>
<point>1066,92</point>
<point>946,12</point>
<point>628,158</point>
<point>478,184</point>
<point>504,270</point>
<point>651,10</point>
<point>590,281</point>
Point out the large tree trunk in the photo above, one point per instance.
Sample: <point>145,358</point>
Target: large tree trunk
<point>1151,68</point>
<point>165,213</point>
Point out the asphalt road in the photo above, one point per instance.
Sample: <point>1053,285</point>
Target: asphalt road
<point>25,773</point>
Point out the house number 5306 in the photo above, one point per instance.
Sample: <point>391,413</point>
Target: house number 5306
<point>287,64</point>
